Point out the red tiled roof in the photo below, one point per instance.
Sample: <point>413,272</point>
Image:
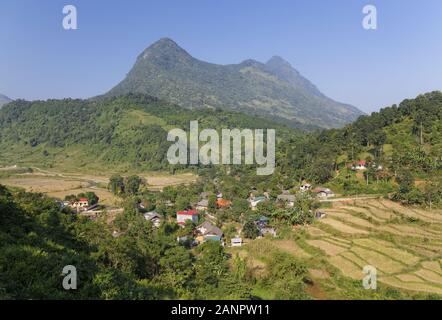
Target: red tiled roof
<point>84,199</point>
<point>188,213</point>
<point>223,203</point>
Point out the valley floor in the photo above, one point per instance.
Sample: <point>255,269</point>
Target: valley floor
<point>60,184</point>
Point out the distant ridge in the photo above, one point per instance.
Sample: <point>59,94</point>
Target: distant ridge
<point>4,100</point>
<point>274,89</point>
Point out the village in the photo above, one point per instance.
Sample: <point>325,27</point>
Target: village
<point>203,223</point>
<point>203,216</point>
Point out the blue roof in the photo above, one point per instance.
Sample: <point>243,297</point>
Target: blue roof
<point>213,238</point>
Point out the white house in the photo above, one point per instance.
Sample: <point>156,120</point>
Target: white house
<point>324,193</point>
<point>154,217</point>
<point>236,242</point>
<point>203,205</point>
<point>187,215</point>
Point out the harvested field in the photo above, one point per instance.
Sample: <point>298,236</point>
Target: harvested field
<point>347,267</point>
<point>374,232</point>
<point>388,250</point>
<point>355,259</point>
<point>316,232</point>
<point>342,227</point>
<point>412,286</point>
<point>329,248</point>
<point>43,184</point>
<point>337,242</point>
<point>319,273</point>
<point>432,266</point>
<point>430,276</point>
<point>367,213</point>
<point>291,247</point>
<point>410,278</point>
<point>379,261</point>
<point>350,218</point>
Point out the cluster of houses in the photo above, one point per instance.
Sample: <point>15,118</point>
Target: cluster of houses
<point>207,231</point>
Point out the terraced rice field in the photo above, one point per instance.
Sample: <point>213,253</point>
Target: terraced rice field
<point>403,244</point>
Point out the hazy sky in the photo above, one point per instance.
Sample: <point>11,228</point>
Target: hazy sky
<point>323,39</point>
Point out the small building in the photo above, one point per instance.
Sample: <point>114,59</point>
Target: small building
<point>80,205</point>
<point>236,242</point>
<point>186,215</point>
<point>323,192</point>
<point>208,232</point>
<point>203,205</point>
<point>254,201</point>
<point>320,215</point>
<point>360,165</point>
<point>223,203</point>
<point>262,222</point>
<point>268,231</point>
<point>289,199</point>
<point>208,229</point>
<point>154,217</point>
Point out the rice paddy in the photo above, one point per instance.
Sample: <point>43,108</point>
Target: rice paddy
<point>403,244</point>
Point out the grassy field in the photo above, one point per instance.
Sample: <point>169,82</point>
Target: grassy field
<point>60,184</point>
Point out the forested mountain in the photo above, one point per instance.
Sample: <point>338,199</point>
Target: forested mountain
<point>273,89</point>
<point>4,100</point>
<point>128,132</point>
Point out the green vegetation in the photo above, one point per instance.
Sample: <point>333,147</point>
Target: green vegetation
<point>273,90</point>
<point>127,259</point>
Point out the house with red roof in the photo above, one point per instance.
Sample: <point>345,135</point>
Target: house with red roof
<point>223,203</point>
<point>360,165</point>
<point>79,205</point>
<point>186,215</point>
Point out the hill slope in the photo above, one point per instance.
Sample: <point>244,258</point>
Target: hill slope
<point>4,100</point>
<point>273,89</point>
<point>127,132</point>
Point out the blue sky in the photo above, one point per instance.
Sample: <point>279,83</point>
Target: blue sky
<point>323,39</point>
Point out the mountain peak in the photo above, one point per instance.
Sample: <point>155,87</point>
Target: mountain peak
<point>278,60</point>
<point>165,42</point>
<point>279,64</point>
<point>165,47</point>
<point>273,89</point>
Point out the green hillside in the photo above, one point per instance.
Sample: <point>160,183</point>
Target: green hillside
<point>273,89</point>
<point>123,133</point>
<point>128,133</point>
